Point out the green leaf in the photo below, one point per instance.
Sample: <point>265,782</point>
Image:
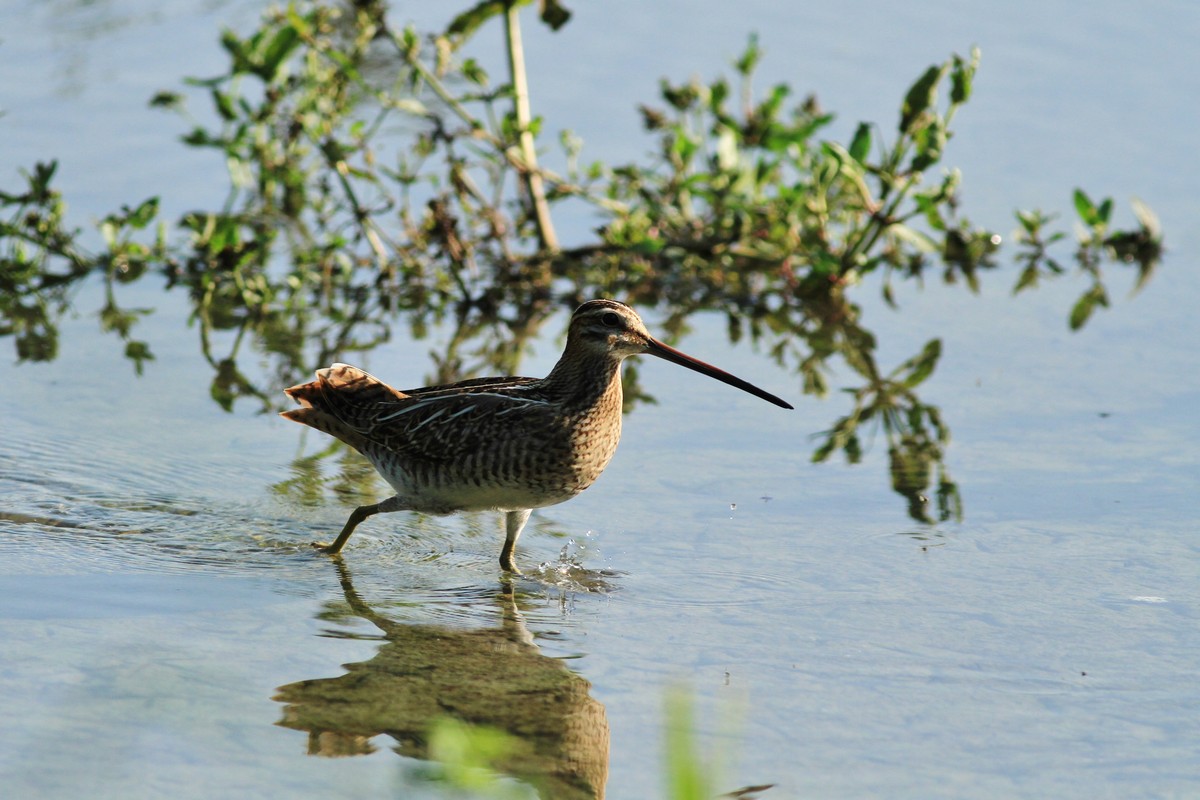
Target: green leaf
<point>889,296</point>
<point>822,453</point>
<point>860,145</point>
<point>750,57</point>
<point>276,52</point>
<point>1027,279</point>
<point>299,22</point>
<point>681,98</point>
<point>684,146</point>
<point>1085,207</point>
<point>939,426</point>
<point>1086,304</point>
<point>39,181</point>
<point>205,83</point>
<point>949,500</point>
<point>689,772</point>
<point>554,14</point>
<point>1081,311</point>
<point>921,97</point>
<point>921,366</point>
<point>224,105</point>
<point>141,216</point>
<point>473,72</point>
<point>236,49</point>
<point>853,449</point>
<point>932,211</point>
<point>717,92</point>
<point>199,137</point>
<point>769,108</point>
<point>931,142</point>
<point>1031,221</point>
<point>465,24</point>
<point>164,99</point>
<point>467,754</point>
<point>962,76</point>
<point>138,352</point>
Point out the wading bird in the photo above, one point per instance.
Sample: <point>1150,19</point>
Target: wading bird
<point>508,444</point>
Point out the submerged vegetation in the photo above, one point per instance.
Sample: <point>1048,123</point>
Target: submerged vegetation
<point>380,177</point>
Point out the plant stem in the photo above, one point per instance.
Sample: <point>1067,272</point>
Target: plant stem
<point>479,131</point>
<point>520,88</point>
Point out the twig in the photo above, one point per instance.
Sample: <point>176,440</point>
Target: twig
<point>520,87</point>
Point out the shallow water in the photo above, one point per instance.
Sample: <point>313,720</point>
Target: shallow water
<point>166,630</point>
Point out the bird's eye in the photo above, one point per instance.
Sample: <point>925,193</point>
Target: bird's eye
<point>611,320</point>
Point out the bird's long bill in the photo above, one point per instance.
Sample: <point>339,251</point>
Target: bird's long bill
<point>657,348</point>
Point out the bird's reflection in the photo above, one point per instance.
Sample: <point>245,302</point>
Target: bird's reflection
<point>492,676</point>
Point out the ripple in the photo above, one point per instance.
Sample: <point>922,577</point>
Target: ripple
<point>125,595</point>
<point>714,588</point>
<point>60,518</point>
<point>140,534</point>
<point>95,462</point>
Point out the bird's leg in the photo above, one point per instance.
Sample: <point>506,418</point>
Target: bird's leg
<point>357,516</point>
<point>514,522</point>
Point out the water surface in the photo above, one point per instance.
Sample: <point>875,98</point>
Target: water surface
<point>167,632</point>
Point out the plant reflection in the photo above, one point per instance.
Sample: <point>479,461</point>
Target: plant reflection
<point>494,677</point>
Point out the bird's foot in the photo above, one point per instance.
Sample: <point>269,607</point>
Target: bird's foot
<point>325,548</point>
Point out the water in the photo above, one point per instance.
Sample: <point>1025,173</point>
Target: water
<point>167,632</point>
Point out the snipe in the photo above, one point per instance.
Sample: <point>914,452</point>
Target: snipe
<point>510,444</point>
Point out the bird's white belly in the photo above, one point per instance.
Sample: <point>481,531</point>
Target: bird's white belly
<point>447,499</point>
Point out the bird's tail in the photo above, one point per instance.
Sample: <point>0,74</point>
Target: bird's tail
<point>342,402</point>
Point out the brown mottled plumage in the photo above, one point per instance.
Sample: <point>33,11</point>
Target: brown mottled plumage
<point>509,444</point>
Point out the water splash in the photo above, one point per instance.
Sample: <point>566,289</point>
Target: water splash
<point>567,573</point>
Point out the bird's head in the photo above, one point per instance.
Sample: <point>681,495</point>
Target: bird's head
<point>614,330</point>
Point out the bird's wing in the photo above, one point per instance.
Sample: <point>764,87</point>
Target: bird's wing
<point>434,423</point>
<point>470,385</point>
<point>442,427</point>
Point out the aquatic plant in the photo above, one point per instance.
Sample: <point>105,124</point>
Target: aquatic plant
<point>380,177</point>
